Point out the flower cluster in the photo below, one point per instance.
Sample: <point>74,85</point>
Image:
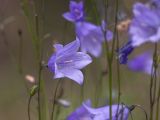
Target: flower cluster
<point>67,61</point>
<point>91,36</point>
<point>144,27</point>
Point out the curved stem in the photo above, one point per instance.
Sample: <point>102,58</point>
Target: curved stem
<point>140,107</point>
<point>54,98</point>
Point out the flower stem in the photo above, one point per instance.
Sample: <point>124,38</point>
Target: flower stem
<point>109,62</point>
<point>54,99</point>
<point>153,79</point>
<point>118,78</point>
<point>29,102</point>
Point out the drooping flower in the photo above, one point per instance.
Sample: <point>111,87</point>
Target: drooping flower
<point>145,26</point>
<point>67,61</point>
<point>76,12</point>
<point>86,112</point>
<point>141,63</point>
<point>91,37</point>
<point>124,52</point>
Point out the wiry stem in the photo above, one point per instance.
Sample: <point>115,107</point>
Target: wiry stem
<point>54,99</point>
<point>153,79</point>
<point>29,102</point>
<point>118,78</point>
<point>158,99</point>
<point>108,61</point>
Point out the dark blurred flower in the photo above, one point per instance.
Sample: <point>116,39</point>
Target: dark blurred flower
<point>124,52</point>
<point>86,112</point>
<point>91,37</point>
<point>155,4</point>
<point>76,12</point>
<point>67,62</point>
<point>141,63</point>
<point>145,26</point>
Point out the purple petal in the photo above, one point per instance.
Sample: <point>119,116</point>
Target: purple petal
<point>80,113</point>
<point>58,74</point>
<point>76,5</point>
<point>58,47</point>
<point>73,74</point>
<point>78,61</point>
<point>103,112</point>
<point>141,63</point>
<point>91,38</point>
<point>69,49</point>
<point>52,63</point>
<point>109,35</point>
<point>93,47</point>
<point>68,16</point>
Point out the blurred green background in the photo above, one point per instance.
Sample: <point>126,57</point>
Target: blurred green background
<point>53,28</point>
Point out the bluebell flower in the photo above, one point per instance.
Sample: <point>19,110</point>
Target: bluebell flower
<point>86,112</point>
<point>124,52</point>
<point>67,61</point>
<point>145,26</point>
<point>141,63</point>
<point>91,37</point>
<point>76,12</point>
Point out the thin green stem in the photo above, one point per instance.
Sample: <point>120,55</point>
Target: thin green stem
<point>54,99</point>
<point>115,30</point>
<point>20,50</point>
<point>153,79</point>
<point>118,78</point>
<point>157,107</point>
<point>158,100</point>
<point>106,3</point>
<point>29,103</point>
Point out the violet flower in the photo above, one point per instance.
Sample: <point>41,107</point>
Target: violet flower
<point>124,52</point>
<point>145,26</point>
<point>141,63</point>
<point>76,12</point>
<point>85,112</point>
<point>91,37</point>
<point>67,61</point>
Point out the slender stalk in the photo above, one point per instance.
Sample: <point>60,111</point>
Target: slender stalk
<point>157,107</point>
<point>20,50</point>
<point>115,30</point>
<point>109,62</point>
<point>158,100</point>
<point>153,79</point>
<point>110,90</point>
<point>29,102</point>
<point>118,78</point>
<point>54,99</point>
<point>151,100</point>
